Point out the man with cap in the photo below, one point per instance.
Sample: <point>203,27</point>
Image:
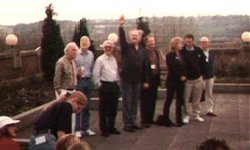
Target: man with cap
<point>56,121</point>
<point>7,132</point>
<point>105,74</point>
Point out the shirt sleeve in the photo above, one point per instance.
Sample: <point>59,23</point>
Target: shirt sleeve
<point>97,73</point>
<point>123,41</point>
<point>58,75</point>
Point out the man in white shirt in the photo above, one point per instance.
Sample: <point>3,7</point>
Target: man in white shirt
<point>105,75</point>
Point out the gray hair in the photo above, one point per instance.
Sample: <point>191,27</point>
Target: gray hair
<point>70,44</point>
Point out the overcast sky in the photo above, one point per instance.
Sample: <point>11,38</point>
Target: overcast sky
<point>28,11</point>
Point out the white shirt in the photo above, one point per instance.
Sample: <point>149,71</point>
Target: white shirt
<point>206,54</point>
<point>105,69</point>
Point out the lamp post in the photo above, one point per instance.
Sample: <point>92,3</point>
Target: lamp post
<point>11,40</point>
<point>245,37</point>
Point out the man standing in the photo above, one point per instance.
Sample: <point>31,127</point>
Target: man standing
<point>65,71</point>
<point>208,76</point>
<point>149,94</point>
<point>84,63</point>
<point>56,121</point>
<point>132,71</point>
<point>105,76</point>
<point>193,58</point>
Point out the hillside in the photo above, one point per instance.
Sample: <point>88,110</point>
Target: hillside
<point>223,28</point>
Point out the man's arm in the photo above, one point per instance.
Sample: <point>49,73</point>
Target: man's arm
<point>122,36</point>
<point>58,75</point>
<point>97,73</point>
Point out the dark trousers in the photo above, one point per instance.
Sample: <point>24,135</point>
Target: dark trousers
<point>171,91</point>
<point>109,95</point>
<point>148,102</point>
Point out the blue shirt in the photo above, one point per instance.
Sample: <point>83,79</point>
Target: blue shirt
<point>86,60</point>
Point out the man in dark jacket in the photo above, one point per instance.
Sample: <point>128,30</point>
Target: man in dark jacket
<point>193,58</point>
<point>208,76</point>
<point>149,94</point>
<point>133,62</point>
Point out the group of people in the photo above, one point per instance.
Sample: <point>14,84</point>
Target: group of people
<point>136,77</point>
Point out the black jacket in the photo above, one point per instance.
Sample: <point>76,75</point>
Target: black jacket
<point>194,62</point>
<point>176,69</point>
<point>133,61</point>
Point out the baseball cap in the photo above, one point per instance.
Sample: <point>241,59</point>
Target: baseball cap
<point>4,120</point>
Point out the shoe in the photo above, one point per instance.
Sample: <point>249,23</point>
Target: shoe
<point>128,129</point>
<point>136,127</point>
<point>186,119</point>
<point>179,124</point>
<point>211,114</point>
<point>199,119</point>
<point>145,125</point>
<point>89,132</point>
<point>114,131</point>
<point>169,123</point>
<point>105,134</point>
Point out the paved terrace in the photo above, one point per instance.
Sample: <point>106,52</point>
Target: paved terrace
<point>232,125</point>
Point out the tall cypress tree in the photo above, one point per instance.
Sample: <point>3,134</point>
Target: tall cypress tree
<point>82,30</point>
<point>51,44</point>
<point>143,24</point>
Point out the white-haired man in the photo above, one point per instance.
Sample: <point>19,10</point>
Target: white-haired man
<point>105,76</point>
<point>65,71</point>
<point>208,76</point>
<point>84,64</point>
<point>133,73</point>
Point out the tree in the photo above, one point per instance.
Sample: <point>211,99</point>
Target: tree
<point>143,24</point>
<point>82,30</point>
<point>51,44</point>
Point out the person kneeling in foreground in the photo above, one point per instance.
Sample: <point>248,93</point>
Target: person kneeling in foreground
<point>7,132</point>
<point>56,121</point>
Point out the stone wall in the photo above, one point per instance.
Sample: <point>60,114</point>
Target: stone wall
<point>16,65</point>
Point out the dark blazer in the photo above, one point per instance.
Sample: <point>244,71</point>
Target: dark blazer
<point>208,72</point>
<point>176,69</point>
<point>148,65</point>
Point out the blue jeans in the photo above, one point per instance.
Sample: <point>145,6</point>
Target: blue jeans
<point>130,97</point>
<point>82,119</point>
<point>50,143</point>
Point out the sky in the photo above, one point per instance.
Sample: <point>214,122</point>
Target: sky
<point>29,11</point>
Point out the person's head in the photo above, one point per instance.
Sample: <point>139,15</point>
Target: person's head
<point>150,42</point>
<point>213,144</point>
<point>78,100</point>
<point>135,36</point>
<point>7,126</point>
<point>204,43</point>
<point>113,37</point>
<point>80,146</point>
<point>189,40</point>
<point>66,141</point>
<point>176,44</point>
<point>84,43</point>
<point>108,47</point>
<point>70,50</point>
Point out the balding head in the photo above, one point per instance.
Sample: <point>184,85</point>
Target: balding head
<point>204,43</point>
<point>70,50</point>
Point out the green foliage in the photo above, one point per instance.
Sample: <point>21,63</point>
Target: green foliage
<point>52,47</point>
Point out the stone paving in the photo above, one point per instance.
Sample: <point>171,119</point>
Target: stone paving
<point>232,125</point>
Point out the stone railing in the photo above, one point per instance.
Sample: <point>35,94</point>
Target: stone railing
<point>16,65</point>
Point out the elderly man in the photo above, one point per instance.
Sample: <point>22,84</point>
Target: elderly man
<point>193,59</point>
<point>84,63</point>
<point>133,68</point>
<point>149,94</point>
<point>208,76</point>
<point>65,71</point>
<point>56,121</point>
<point>105,76</point>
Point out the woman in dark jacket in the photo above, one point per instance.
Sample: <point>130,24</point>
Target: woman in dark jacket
<point>175,81</point>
